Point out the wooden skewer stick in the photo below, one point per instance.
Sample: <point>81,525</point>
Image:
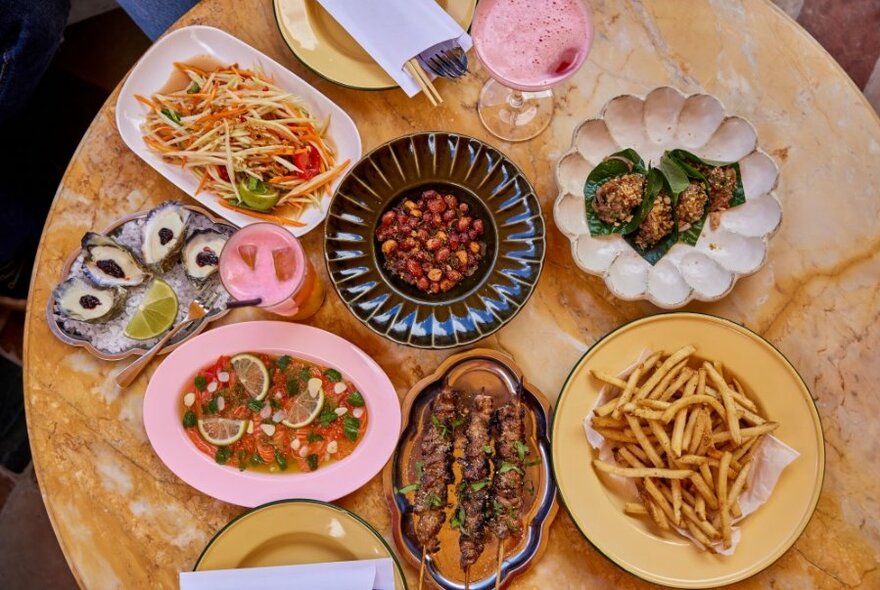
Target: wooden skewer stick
<point>498,564</point>
<point>467,578</point>
<point>418,74</point>
<point>422,569</point>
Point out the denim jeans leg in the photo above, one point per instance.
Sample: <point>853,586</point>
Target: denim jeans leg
<point>155,16</point>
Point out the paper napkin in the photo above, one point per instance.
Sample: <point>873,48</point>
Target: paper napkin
<point>395,31</point>
<point>368,574</point>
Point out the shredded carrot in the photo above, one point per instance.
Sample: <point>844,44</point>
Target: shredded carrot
<point>144,100</point>
<point>263,216</point>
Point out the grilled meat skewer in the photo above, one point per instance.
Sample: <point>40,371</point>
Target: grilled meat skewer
<point>436,446</point>
<point>507,486</point>
<point>476,470</point>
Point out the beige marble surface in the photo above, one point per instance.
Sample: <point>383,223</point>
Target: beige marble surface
<point>125,521</point>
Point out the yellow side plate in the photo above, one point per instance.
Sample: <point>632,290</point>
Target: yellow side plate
<point>635,544</point>
<point>294,532</point>
<point>327,49</point>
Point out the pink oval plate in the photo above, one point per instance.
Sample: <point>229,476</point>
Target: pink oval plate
<point>165,430</point>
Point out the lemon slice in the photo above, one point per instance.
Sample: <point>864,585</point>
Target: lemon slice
<point>155,314</point>
<point>222,431</point>
<point>253,374</point>
<point>304,409</point>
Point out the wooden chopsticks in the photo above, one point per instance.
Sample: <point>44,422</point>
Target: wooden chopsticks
<point>415,70</point>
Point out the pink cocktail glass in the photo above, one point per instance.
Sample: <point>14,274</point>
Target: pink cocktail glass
<point>527,46</point>
<point>265,261</point>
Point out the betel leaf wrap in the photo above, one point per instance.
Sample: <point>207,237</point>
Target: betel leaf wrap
<point>686,159</point>
<point>611,167</point>
<point>679,175</point>
<point>656,183</point>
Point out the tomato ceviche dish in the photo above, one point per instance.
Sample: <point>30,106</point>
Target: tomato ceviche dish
<point>270,413</point>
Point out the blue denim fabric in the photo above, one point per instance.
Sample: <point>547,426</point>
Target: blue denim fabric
<point>30,32</point>
<point>154,16</point>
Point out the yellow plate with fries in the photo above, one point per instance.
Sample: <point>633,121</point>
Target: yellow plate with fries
<point>690,410</point>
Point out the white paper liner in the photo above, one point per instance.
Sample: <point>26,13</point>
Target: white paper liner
<point>771,458</point>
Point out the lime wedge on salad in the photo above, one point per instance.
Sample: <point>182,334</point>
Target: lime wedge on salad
<point>252,374</point>
<point>304,409</point>
<point>222,431</point>
<point>155,314</point>
<point>257,195</point>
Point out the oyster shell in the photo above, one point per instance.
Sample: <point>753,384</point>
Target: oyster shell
<point>201,254</point>
<point>80,300</point>
<point>110,264</point>
<point>164,233</point>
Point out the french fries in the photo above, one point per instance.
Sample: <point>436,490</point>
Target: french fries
<point>687,433</point>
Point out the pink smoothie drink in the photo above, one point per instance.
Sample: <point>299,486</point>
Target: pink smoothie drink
<point>265,261</point>
<point>531,45</point>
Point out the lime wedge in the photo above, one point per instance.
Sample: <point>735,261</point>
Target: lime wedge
<point>222,431</point>
<point>303,410</point>
<point>252,374</point>
<point>155,314</point>
<point>257,195</point>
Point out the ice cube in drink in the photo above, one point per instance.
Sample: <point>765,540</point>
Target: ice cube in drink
<point>285,263</point>
<point>248,253</point>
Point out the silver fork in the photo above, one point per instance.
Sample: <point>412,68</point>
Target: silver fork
<point>201,306</point>
<point>445,59</point>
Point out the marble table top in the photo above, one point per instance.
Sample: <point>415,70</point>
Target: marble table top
<point>123,520</point>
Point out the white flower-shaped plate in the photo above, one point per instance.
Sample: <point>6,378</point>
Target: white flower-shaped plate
<point>665,120</point>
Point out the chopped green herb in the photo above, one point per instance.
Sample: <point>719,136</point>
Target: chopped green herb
<point>274,403</point>
<point>333,375</point>
<point>283,361</point>
<point>200,382</point>
<point>535,461</point>
<point>531,488</point>
<point>282,462</point>
<point>257,460</point>
<point>351,426</point>
<point>212,405</point>
<point>521,449</point>
<point>433,501</point>
<point>457,422</point>
<point>355,399</point>
<point>479,485</point>
<point>193,89</point>
<point>292,386</point>
<point>487,449</point>
<point>171,115</point>
<point>189,419</point>
<point>407,489</point>
<point>327,416</point>
<point>314,437</point>
<point>305,374</point>
<point>242,460</point>
<point>420,469</point>
<point>505,467</point>
<point>222,455</point>
<point>457,519</point>
<point>312,460</point>
<point>441,428</point>
<point>254,405</point>
<point>497,507</point>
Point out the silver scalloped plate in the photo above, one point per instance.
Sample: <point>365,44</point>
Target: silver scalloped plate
<point>666,119</point>
<point>478,174</point>
<point>184,335</point>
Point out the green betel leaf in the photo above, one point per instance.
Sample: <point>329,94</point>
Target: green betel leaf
<point>656,183</point>
<point>676,177</point>
<point>617,164</point>
<point>687,158</point>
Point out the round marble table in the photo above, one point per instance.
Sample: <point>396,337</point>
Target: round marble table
<point>123,520</point>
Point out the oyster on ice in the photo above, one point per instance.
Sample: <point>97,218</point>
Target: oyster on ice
<point>201,254</point>
<point>164,232</point>
<point>109,264</point>
<point>82,301</point>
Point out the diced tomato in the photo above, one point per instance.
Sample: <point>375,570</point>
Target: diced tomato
<point>309,162</point>
<point>221,170</point>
